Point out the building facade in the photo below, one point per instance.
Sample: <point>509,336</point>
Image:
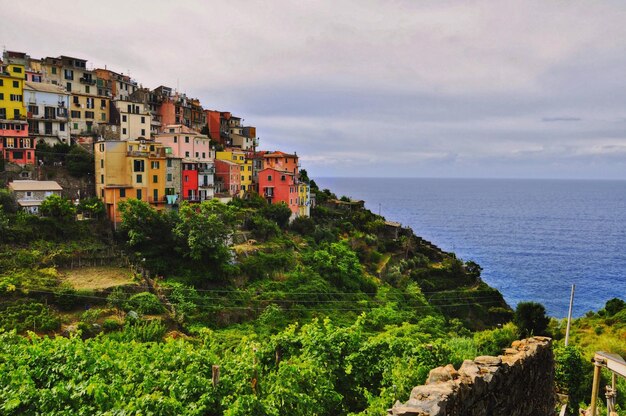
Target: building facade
<point>47,115</point>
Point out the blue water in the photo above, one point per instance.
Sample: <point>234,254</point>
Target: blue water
<point>533,238</point>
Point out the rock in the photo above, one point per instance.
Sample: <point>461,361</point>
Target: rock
<point>438,375</point>
<point>487,360</point>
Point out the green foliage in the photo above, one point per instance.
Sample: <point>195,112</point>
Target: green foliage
<point>58,208</point>
<point>93,207</point>
<point>145,303</point>
<point>492,342</point>
<point>340,265</point>
<point>65,297</point>
<point>117,299</point>
<point>80,162</point>
<point>614,306</point>
<point>28,315</point>
<point>279,213</point>
<point>8,202</point>
<point>531,319</point>
<point>572,375</point>
<point>141,331</point>
<point>262,228</point>
<point>303,226</point>
<point>262,265</point>
<point>203,231</point>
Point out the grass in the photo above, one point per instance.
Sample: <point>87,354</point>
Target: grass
<point>96,278</point>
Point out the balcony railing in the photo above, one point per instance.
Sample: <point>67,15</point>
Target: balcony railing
<point>89,81</point>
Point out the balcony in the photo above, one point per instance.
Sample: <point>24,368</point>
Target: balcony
<point>88,81</point>
<point>206,185</point>
<point>269,193</point>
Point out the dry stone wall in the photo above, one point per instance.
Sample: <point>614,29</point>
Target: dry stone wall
<point>518,383</point>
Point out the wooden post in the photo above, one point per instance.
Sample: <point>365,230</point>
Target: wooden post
<point>595,388</point>
<point>215,379</point>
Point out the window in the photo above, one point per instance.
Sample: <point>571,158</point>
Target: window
<point>143,120</point>
<point>16,84</point>
<point>282,178</point>
<point>186,139</point>
<point>90,103</point>
<point>103,116</point>
<point>139,178</point>
<point>75,99</point>
<point>68,74</point>
<point>101,178</point>
<point>3,113</point>
<point>76,124</point>
<point>124,130</point>
<point>16,114</point>
<point>155,178</point>
<point>1,82</point>
<point>243,178</point>
<point>138,165</point>
<point>169,163</point>
<point>54,70</point>
<point>203,155</point>
<point>102,147</point>
<point>103,104</point>
<point>101,163</point>
<point>269,178</point>
<point>89,114</point>
<point>10,142</point>
<point>61,126</point>
<point>154,165</point>
<point>155,194</point>
<point>124,118</point>
<point>196,154</point>
<point>186,178</point>
<point>186,154</point>
<point>87,89</point>
<point>122,193</point>
<point>241,168</point>
<point>75,114</point>
<point>139,194</point>
<point>2,97</point>
<point>143,132</point>
<point>68,87</point>
<point>175,139</point>
<point>169,177</point>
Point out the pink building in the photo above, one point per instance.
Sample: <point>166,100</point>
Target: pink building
<point>227,177</point>
<point>15,145</point>
<point>279,186</point>
<point>186,143</point>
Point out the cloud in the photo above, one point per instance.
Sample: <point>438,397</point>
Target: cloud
<point>369,88</point>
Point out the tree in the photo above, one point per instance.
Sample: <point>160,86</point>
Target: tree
<point>8,202</point>
<point>531,319</point>
<point>92,206</point>
<point>279,213</point>
<point>203,232</point>
<point>80,162</point>
<point>304,176</point>
<point>613,306</point>
<point>57,207</point>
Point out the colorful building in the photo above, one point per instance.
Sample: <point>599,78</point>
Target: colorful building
<point>130,169</point>
<point>131,119</point>
<point>227,178</point>
<point>12,78</point>
<point>47,107</point>
<point>304,200</point>
<point>245,168</point>
<point>278,186</point>
<point>30,194</point>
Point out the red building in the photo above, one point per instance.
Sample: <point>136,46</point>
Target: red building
<point>213,123</point>
<point>279,186</point>
<point>190,181</point>
<point>15,145</point>
<point>281,161</point>
<point>227,177</point>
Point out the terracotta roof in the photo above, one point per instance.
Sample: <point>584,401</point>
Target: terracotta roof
<point>28,185</point>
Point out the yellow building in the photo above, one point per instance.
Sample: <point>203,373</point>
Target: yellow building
<point>130,169</point>
<point>12,78</point>
<point>304,200</point>
<point>245,166</point>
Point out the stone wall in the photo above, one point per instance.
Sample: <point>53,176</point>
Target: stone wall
<point>518,383</point>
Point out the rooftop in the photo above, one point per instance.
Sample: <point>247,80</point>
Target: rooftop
<point>30,185</point>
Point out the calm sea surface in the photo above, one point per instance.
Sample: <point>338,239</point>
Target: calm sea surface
<point>533,238</point>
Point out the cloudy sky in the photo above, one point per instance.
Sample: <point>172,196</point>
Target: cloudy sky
<point>373,88</point>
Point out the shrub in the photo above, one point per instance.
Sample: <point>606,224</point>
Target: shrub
<point>65,297</point>
<point>141,331</point>
<point>613,306</point>
<point>531,319</point>
<point>145,303</point>
<point>262,228</point>
<point>26,315</point>
<point>303,226</point>
<point>492,342</point>
<point>279,213</point>
<point>110,325</point>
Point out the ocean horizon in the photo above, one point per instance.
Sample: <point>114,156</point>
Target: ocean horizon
<point>534,238</point>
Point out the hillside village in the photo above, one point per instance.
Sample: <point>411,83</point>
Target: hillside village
<point>157,145</point>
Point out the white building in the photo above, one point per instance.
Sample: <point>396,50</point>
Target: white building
<point>47,106</point>
<point>134,120</point>
<point>30,194</point>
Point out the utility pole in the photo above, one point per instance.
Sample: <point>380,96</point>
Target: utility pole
<point>569,316</point>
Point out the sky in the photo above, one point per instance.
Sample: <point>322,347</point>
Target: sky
<point>510,89</point>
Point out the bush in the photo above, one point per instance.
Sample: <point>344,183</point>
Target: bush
<point>110,325</point>
<point>28,316</point>
<point>613,306</point>
<point>531,319</point>
<point>141,331</point>
<point>279,213</point>
<point>262,228</point>
<point>570,375</point>
<point>145,303</point>
<point>492,342</point>
<point>65,297</point>
<point>303,226</point>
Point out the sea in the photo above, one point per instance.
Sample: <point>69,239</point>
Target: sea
<point>534,238</point>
